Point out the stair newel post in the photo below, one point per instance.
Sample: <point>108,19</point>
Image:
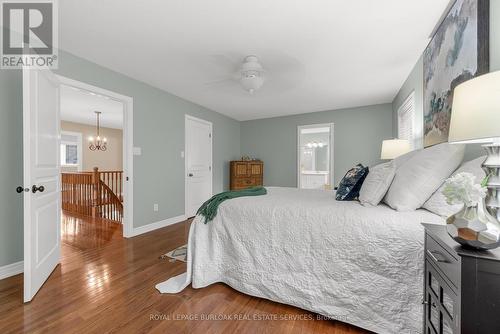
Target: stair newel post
<point>96,184</point>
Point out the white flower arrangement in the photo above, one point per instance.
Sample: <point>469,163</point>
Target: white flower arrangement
<point>462,188</point>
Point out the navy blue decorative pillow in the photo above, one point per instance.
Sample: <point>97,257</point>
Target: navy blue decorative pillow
<point>350,185</point>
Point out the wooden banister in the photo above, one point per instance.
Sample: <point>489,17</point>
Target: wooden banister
<point>96,180</point>
<point>114,180</point>
<point>113,207</point>
<point>76,193</point>
<point>96,193</point>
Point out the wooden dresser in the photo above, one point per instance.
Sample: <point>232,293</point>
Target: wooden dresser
<point>462,286</point>
<point>245,174</point>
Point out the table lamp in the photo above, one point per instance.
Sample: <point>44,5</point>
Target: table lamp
<point>475,118</point>
<point>393,148</point>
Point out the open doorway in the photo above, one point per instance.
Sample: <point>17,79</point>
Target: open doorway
<point>91,159</point>
<point>96,163</point>
<point>315,156</point>
<point>47,153</point>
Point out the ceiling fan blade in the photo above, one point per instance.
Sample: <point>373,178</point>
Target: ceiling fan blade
<point>224,62</point>
<point>221,82</point>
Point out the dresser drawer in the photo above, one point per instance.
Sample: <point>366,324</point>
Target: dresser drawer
<point>241,183</point>
<point>443,260</point>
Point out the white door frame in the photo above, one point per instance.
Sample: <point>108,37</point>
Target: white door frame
<point>186,117</point>
<point>309,126</point>
<point>128,149</point>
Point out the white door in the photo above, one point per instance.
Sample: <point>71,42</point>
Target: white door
<point>41,178</point>
<point>198,163</point>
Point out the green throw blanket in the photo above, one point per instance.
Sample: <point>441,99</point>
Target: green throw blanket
<point>209,208</point>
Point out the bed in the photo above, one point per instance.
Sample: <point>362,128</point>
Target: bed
<point>360,265</point>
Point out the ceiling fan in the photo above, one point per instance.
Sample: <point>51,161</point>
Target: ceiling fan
<point>280,73</point>
<point>251,74</point>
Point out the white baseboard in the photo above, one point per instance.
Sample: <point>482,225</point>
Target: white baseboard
<point>11,269</point>
<point>154,226</point>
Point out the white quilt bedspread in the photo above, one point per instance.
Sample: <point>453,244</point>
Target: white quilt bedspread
<point>360,265</point>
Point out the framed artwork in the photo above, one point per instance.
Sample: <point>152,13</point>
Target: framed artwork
<point>458,51</point>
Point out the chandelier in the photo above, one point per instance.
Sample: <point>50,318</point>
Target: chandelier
<point>97,143</point>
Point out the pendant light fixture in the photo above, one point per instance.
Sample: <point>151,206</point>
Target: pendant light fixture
<point>97,143</point>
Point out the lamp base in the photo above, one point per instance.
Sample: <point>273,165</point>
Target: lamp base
<point>474,227</point>
<point>491,166</point>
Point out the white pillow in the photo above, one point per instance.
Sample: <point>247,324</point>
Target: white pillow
<point>377,183</point>
<point>421,175</point>
<point>437,203</point>
<point>399,161</point>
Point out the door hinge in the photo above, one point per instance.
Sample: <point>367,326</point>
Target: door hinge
<point>209,167</point>
<point>126,179</point>
<point>209,135</point>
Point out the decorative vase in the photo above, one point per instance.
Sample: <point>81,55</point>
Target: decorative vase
<point>474,227</point>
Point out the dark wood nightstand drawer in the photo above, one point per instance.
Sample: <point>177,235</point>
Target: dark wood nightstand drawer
<point>443,260</point>
<point>462,286</point>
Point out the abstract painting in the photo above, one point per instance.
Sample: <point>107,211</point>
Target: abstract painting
<point>458,51</point>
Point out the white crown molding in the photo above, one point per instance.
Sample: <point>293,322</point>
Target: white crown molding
<point>11,269</point>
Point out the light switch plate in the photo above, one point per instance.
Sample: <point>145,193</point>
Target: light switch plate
<point>155,207</point>
<point>182,154</point>
<point>137,151</point>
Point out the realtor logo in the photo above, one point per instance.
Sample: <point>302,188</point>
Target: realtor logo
<point>29,34</point>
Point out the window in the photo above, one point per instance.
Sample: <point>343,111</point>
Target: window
<point>69,154</point>
<point>406,115</point>
<point>71,149</point>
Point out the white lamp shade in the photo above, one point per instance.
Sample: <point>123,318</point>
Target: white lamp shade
<point>475,115</point>
<point>393,148</point>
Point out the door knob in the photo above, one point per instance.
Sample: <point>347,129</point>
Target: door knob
<point>34,189</point>
<point>21,189</point>
<point>190,174</point>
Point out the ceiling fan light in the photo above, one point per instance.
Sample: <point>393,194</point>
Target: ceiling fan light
<point>252,74</point>
<point>251,63</point>
<point>251,83</point>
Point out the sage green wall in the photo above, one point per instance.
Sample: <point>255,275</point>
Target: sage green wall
<point>495,35</point>
<point>11,169</point>
<point>158,130</point>
<point>358,135</point>
<point>415,80</point>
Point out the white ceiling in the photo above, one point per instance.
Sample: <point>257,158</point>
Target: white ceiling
<point>79,105</point>
<point>319,55</point>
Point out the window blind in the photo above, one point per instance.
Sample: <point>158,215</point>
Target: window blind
<point>406,115</point>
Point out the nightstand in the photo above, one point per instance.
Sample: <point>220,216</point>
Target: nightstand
<point>461,286</point>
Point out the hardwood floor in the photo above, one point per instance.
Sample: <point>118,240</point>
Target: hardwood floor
<point>105,284</point>
<point>85,233</point>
